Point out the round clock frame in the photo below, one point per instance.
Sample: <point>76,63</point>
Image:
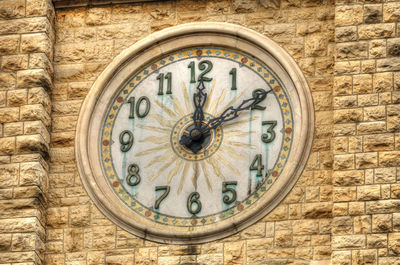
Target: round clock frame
<point>134,58</point>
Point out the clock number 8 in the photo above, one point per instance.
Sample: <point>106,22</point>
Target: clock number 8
<point>133,173</point>
<point>126,144</point>
<point>194,199</point>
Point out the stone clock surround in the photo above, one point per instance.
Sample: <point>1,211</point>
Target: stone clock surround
<point>118,72</point>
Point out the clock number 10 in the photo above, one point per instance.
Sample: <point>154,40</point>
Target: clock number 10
<point>138,110</point>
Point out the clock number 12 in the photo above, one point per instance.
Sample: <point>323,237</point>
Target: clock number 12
<point>204,66</point>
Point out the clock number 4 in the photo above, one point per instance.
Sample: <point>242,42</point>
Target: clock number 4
<point>139,110</point>
<point>166,190</point>
<point>160,79</point>
<point>257,165</point>
<point>133,177</point>
<point>204,66</point>
<point>225,189</point>
<point>269,136</point>
<point>193,199</point>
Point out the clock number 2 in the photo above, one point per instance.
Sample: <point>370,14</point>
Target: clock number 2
<point>270,135</point>
<point>204,66</point>
<point>232,191</point>
<point>133,177</point>
<point>255,105</point>
<point>166,190</point>
<point>139,111</point>
<point>194,199</point>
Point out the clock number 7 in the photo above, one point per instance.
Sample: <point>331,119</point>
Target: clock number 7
<point>166,190</point>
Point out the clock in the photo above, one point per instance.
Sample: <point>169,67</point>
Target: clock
<point>194,133</point>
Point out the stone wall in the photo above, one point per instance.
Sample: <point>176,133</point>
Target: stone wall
<point>87,39</point>
<point>366,222</point>
<point>26,53</point>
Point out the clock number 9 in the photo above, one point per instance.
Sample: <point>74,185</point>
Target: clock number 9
<point>270,135</point>
<point>204,66</point>
<point>226,189</point>
<point>126,142</point>
<point>194,199</point>
<point>133,173</point>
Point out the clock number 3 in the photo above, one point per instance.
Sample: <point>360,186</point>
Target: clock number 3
<point>204,66</point>
<point>270,135</point>
<point>133,177</point>
<point>194,199</point>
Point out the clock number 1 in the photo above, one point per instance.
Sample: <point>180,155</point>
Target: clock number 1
<point>139,111</point>
<point>204,66</point>
<point>194,199</point>
<point>233,74</point>
<point>166,190</point>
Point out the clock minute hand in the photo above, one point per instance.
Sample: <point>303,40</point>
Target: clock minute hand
<point>232,113</point>
<point>199,99</point>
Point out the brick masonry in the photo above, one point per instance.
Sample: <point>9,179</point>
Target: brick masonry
<point>345,208</point>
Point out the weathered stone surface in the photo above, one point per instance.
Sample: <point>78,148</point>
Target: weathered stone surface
<point>348,178</point>
<point>391,12</point>
<point>348,241</point>
<point>382,206</point>
<point>14,62</point>
<point>352,50</point>
<point>317,210</point>
<point>389,64</point>
<point>33,78</point>
<point>348,15</point>
<point>9,44</point>
<point>37,42</point>
<point>25,25</point>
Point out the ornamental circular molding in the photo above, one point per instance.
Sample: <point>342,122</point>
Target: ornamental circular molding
<point>194,133</point>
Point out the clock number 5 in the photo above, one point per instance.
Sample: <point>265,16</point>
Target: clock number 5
<point>194,199</point>
<point>133,177</point>
<point>166,190</point>
<point>232,191</point>
<point>270,135</point>
<point>139,111</point>
<point>204,66</point>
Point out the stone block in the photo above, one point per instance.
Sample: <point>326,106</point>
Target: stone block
<point>16,98</point>
<point>68,73</point>
<point>366,160</point>
<point>368,66</point>
<point>394,244</point>
<point>343,194</point>
<point>348,242</point>
<point>57,217</point>
<point>40,8</point>
<point>391,12</point>
<point>369,192</point>
<point>317,210</point>
<point>7,81</point>
<point>9,176</point>
<point>305,227</point>
<point>378,142</point>
<point>33,78</point>
<point>362,83</point>
<point>393,47</point>
<point>389,159</point>
<point>347,67</point>
<point>348,115</point>
<point>376,240</point>
<point>280,30</point>
<point>362,224</point>
<point>388,64</point>
<point>372,14</point>
<point>25,25</point>
<point>37,42</point>
<point>31,174</point>
<point>383,82</point>
<point>348,15</point>
<point>377,49</point>
<point>385,175</point>
<point>7,145</point>
<point>342,225</point>
<point>343,34</point>
<point>73,239</point>
<point>343,85</point>
<point>381,223</point>
<point>103,237</point>
<point>351,50</point>
<point>341,257</point>
<point>316,46</point>
<point>29,144</point>
<point>98,16</point>
<point>14,62</point>
<point>9,44</point>
<point>348,178</point>
<point>343,162</point>
<point>382,206</point>
<point>24,242</point>
<point>40,60</point>
<point>368,100</point>
<point>371,127</point>
<point>13,128</point>
<point>376,31</point>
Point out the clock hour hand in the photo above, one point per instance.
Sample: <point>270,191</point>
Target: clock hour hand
<point>199,99</point>
<point>232,113</point>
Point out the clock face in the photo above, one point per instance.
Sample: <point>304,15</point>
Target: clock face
<point>187,137</point>
<point>163,180</point>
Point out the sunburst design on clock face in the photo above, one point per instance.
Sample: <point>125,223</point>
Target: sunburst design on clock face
<point>163,180</point>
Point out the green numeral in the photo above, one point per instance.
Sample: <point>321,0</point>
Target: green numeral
<point>166,190</point>
<point>193,199</point>
<point>139,113</point>
<point>126,144</point>
<point>205,66</point>
<point>255,105</point>
<point>270,135</point>
<point>257,165</point>
<point>233,74</point>
<point>226,189</point>
<point>160,79</point>
<point>133,177</point>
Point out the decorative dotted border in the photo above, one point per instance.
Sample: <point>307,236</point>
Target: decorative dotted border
<point>243,60</point>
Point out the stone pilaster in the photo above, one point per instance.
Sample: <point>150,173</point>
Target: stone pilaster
<point>26,54</point>
<point>365,226</point>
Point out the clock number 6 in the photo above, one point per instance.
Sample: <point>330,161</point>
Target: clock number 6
<point>226,189</point>
<point>133,173</point>
<point>204,66</point>
<point>194,199</point>
<point>166,190</point>
<point>270,135</point>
